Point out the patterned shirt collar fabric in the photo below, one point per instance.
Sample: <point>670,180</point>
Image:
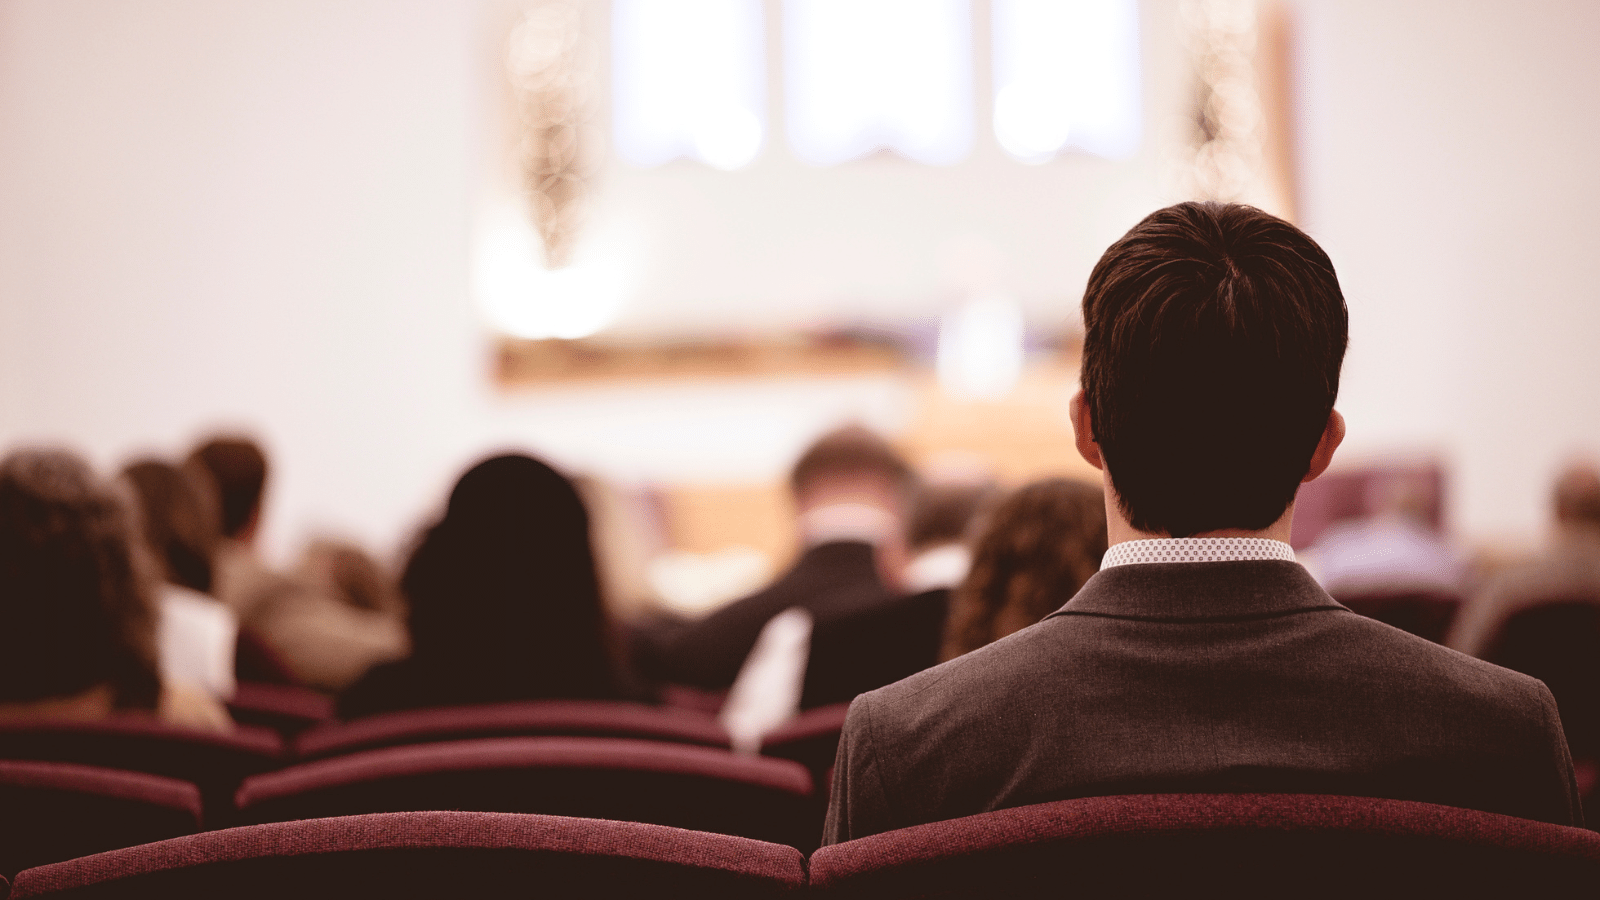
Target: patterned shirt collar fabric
<point>1187,550</point>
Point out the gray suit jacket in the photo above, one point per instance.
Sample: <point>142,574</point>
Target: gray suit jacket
<point>1200,677</point>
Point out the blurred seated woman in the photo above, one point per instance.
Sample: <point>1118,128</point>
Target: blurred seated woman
<point>76,611</point>
<point>195,633</point>
<point>1035,551</point>
<point>505,602</point>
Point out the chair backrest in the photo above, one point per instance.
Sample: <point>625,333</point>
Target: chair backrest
<point>1275,845</point>
<point>432,854</point>
<point>214,762</point>
<point>702,788</point>
<point>53,811</point>
<point>1558,642</point>
<point>533,718</point>
<point>1426,614</point>
<point>285,708</point>
<point>1334,496</point>
<point>810,738</point>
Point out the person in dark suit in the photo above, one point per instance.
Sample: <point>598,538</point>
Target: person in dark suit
<point>851,491</point>
<point>1201,657</point>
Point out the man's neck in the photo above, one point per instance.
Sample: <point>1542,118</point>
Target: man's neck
<point>1119,529</point>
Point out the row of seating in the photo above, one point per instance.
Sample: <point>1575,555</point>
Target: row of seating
<point>306,721</point>
<point>218,763</point>
<point>1153,845</point>
<point>138,780</point>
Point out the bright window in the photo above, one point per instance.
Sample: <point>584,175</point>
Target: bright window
<point>688,80</point>
<point>868,75</point>
<point>1066,77</point>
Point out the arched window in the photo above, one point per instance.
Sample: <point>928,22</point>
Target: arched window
<point>868,75</point>
<point>688,79</point>
<point>1066,77</point>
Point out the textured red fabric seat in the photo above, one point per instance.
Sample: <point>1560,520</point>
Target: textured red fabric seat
<point>213,762</point>
<point>533,718</point>
<point>54,811</point>
<point>1217,845</point>
<point>431,854</point>
<point>285,708</point>
<point>1423,613</point>
<point>702,788</point>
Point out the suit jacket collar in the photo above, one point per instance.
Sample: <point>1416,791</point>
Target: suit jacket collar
<point>1200,592</point>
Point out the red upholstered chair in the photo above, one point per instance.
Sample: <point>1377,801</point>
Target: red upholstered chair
<point>1339,495</point>
<point>1558,642</point>
<point>1217,845</point>
<point>213,762</point>
<point>1423,613</point>
<point>533,718</point>
<point>811,738</point>
<point>702,788</point>
<point>285,708</point>
<point>431,854</point>
<point>54,811</point>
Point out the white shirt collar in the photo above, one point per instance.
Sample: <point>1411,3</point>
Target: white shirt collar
<point>847,522</point>
<point>941,567</point>
<point>1184,550</point>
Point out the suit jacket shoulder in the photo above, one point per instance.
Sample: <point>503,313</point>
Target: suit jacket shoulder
<point>829,580</point>
<point>1201,677</point>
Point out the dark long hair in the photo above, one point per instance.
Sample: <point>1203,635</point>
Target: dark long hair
<point>505,602</point>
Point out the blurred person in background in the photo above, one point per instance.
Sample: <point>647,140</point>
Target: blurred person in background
<point>310,630</point>
<point>346,571</point>
<point>505,602</point>
<point>1568,570</point>
<point>851,493</point>
<point>1040,544</point>
<point>1394,548</point>
<point>195,633</point>
<point>938,537</point>
<point>77,612</point>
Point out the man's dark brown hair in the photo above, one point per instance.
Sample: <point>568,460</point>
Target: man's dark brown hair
<point>851,450</point>
<point>1214,334</point>
<point>239,470</point>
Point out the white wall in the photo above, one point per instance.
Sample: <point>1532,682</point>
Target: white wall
<point>1449,169</point>
<point>221,211</point>
<point>252,213</point>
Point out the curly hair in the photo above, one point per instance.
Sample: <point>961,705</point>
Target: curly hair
<point>1037,548</point>
<point>76,609</point>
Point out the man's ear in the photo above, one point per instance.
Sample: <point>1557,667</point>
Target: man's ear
<point>1083,431</point>
<point>1332,437</point>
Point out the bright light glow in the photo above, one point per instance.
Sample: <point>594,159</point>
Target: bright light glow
<point>980,348</point>
<point>1066,76</point>
<point>688,79</point>
<point>523,299</point>
<point>729,142</point>
<point>865,75</point>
